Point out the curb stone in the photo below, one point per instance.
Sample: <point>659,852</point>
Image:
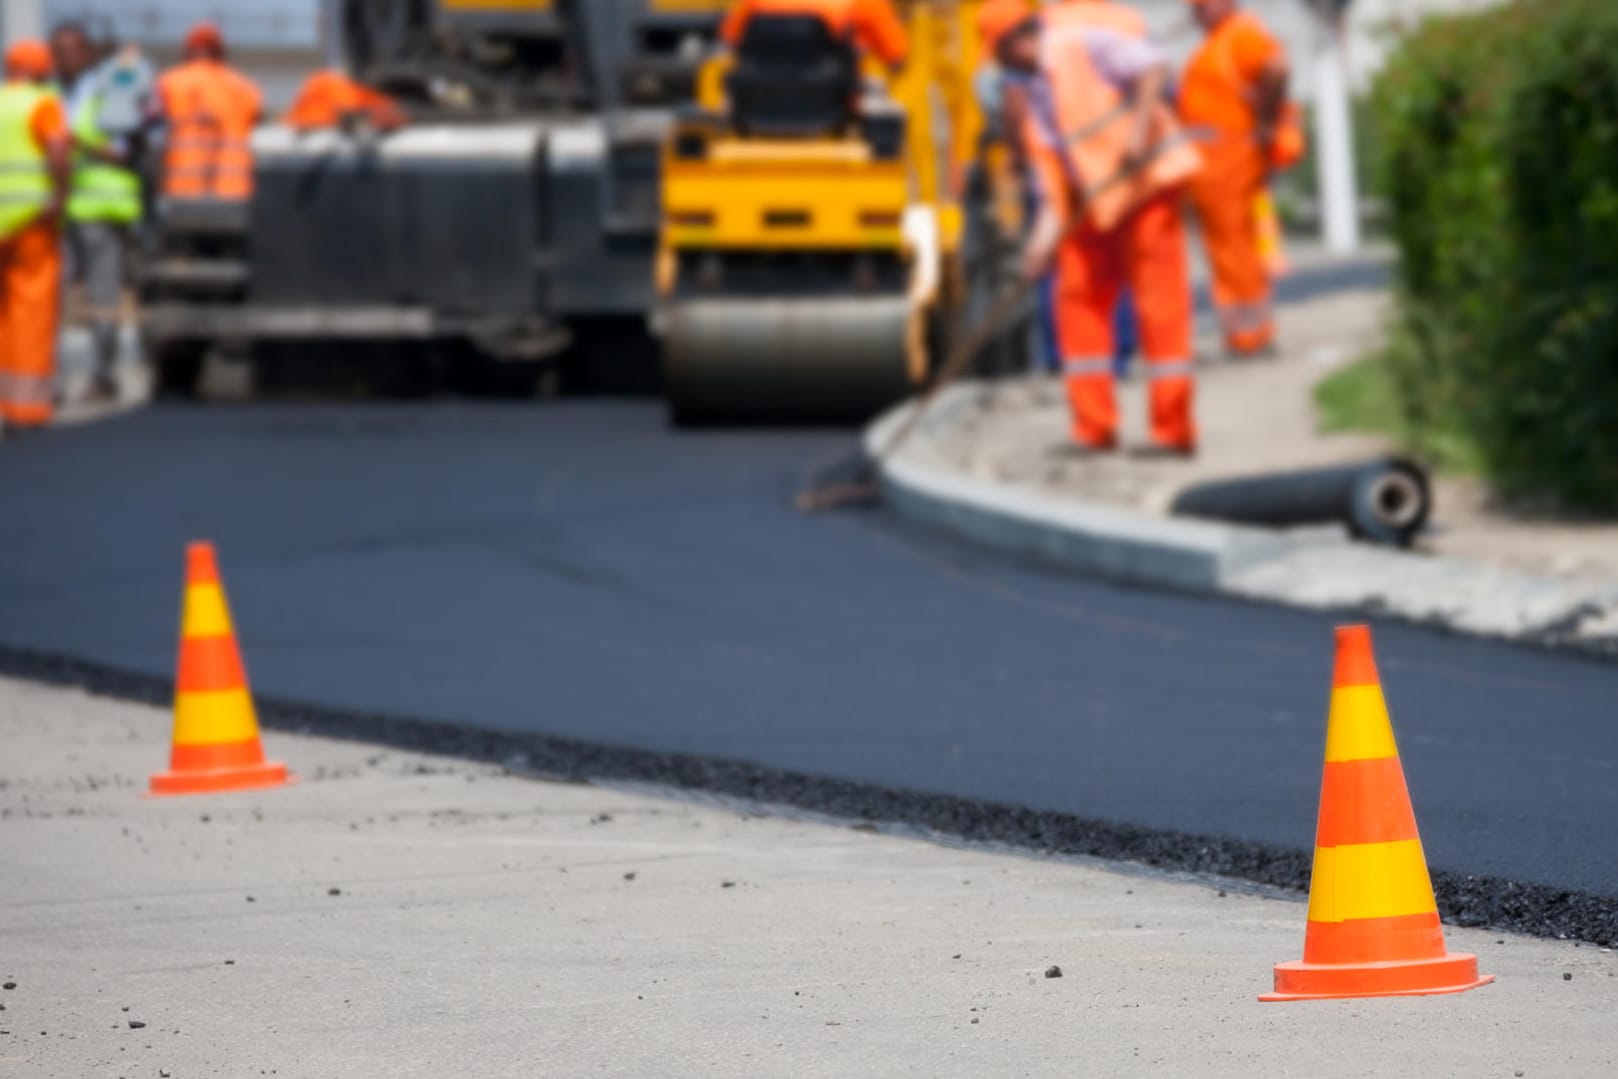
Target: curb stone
<point>1317,568</point>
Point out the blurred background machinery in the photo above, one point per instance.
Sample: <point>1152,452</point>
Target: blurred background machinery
<point>519,204</point>
<point>812,261</point>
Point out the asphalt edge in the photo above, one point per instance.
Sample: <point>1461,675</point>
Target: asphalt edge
<point>1463,899</point>
<point>1134,547</point>
<point>1122,544</point>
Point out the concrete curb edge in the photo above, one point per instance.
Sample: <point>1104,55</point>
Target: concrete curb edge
<point>1136,547</point>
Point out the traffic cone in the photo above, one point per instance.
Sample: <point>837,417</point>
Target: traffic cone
<point>1373,925</point>
<point>216,744</point>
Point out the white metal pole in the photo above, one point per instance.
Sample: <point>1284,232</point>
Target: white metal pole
<point>21,19</point>
<point>333,47</point>
<point>1334,136</point>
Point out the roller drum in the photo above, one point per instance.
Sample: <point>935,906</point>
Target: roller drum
<point>773,358</point>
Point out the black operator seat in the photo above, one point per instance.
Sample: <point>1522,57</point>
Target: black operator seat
<point>794,78</point>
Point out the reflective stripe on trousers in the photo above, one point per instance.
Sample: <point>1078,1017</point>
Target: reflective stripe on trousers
<point>1088,365</point>
<point>1164,369</point>
<point>25,390</point>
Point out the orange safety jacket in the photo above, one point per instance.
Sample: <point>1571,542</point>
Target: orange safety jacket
<point>327,98</point>
<point>1217,99</point>
<point>211,110</point>
<point>872,24</point>
<point>1078,123</point>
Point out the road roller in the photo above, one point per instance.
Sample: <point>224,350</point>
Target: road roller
<point>809,262</point>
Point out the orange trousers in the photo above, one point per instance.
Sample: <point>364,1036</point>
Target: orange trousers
<point>30,306</point>
<point>1147,254</point>
<point>1225,195</point>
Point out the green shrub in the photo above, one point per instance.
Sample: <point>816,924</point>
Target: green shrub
<point>1499,134</point>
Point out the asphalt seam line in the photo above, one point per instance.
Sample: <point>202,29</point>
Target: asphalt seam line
<point>1463,899</point>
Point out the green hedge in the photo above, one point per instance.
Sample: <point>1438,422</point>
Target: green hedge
<point>1499,139</point>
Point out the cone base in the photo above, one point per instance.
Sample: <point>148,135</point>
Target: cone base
<point>220,780</point>
<point>1452,973</point>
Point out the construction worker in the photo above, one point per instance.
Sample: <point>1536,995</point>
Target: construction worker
<point>36,164</point>
<point>1003,99</point>
<point>1234,99</point>
<point>104,204</point>
<point>1112,164</point>
<point>210,110</point>
<point>330,99</point>
<point>873,25</point>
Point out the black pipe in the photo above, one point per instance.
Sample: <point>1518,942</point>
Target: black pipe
<point>1386,501</point>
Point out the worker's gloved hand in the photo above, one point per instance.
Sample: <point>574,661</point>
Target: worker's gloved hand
<point>1137,151</point>
<point>1039,251</point>
<point>1035,263</point>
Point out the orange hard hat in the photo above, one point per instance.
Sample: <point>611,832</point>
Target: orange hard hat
<point>204,37</point>
<point>997,18</point>
<point>29,60</point>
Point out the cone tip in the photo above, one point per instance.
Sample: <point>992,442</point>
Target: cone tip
<point>201,567</point>
<point>1356,660</point>
<point>1355,632</point>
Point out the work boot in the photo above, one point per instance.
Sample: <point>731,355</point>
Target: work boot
<point>1165,451</point>
<point>104,390</point>
<point>1253,355</point>
<point>1254,345</point>
<point>1082,449</point>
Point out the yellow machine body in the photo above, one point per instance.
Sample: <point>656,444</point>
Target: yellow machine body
<point>783,194</point>
<point>861,240</point>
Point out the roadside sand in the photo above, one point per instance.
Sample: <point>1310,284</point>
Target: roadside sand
<point>415,916</point>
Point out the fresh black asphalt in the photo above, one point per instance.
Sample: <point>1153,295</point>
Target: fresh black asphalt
<point>577,569</point>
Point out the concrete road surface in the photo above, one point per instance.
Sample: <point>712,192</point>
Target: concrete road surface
<point>407,916</point>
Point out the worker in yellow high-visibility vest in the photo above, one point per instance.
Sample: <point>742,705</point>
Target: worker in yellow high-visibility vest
<point>36,163</point>
<point>104,202</point>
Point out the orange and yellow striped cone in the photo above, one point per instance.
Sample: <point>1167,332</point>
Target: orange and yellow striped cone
<point>1373,925</point>
<point>216,743</point>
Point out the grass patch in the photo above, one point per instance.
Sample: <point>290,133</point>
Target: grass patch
<point>1364,397</point>
<point>1358,397</point>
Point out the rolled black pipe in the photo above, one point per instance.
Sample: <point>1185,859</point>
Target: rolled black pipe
<point>1386,501</point>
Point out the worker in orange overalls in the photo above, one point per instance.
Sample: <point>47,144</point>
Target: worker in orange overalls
<point>210,109</point>
<point>1112,165</point>
<point>872,24</point>
<point>331,99</point>
<point>1234,99</point>
<point>36,169</point>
